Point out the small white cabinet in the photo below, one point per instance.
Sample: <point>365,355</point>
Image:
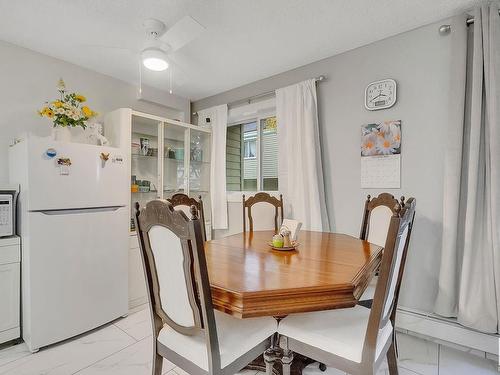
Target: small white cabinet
<point>10,286</point>
<point>137,291</point>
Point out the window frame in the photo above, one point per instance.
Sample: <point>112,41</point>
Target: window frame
<point>258,151</point>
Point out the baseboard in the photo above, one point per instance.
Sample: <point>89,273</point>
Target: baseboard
<point>137,302</point>
<point>442,330</point>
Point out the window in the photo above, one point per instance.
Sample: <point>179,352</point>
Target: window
<point>250,148</point>
<point>252,156</point>
<point>250,140</point>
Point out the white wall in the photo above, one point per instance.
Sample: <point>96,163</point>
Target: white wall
<point>420,62</point>
<point>28,79</point>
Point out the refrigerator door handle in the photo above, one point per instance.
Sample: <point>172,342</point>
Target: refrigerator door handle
<point>79,210</point>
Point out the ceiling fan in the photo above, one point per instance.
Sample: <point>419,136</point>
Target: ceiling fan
<point>161,42</point>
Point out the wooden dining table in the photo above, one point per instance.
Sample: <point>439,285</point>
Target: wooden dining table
<point>327,271</point>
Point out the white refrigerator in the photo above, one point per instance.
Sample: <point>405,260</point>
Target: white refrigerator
<point>74,227</point>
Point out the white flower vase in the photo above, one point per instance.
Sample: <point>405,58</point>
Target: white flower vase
<point>61,134</point>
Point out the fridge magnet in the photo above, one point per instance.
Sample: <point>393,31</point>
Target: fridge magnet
<point>51,153</point>
<point>64,164</point>
<point>64,161</point>
<point>104,158</point>
<point>381,155</point>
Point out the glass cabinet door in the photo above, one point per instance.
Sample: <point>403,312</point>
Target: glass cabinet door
<point>199,168</point>
<point>168,157</point>
<point>174,160</point>
<point>145,179</point>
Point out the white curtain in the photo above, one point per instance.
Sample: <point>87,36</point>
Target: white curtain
<point>469,280</point>
<point>218,198</point>
<point>300,173</point>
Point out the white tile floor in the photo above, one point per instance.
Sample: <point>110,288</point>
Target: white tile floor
<point>124,348</point>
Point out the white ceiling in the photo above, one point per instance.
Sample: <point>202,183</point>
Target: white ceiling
<point>245,40</point>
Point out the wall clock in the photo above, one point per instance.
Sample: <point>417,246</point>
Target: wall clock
<point>380,94</point>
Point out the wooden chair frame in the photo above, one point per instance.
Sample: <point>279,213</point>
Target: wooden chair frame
<point>402,218</point>
<point>262,198</point>
<point>181,199</point>
<point>384,199</point>
<point>161,212</point>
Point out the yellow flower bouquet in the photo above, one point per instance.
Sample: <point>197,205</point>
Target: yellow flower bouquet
<point>68,110</point>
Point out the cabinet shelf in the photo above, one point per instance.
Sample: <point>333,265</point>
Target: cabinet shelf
<point>192,162</point>
<point>139,156</point>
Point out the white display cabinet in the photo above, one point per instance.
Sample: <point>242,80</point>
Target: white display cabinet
<point>161,151</point>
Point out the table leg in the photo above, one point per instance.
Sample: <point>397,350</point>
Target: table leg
<point>281,361</point>
<point>299,363</point>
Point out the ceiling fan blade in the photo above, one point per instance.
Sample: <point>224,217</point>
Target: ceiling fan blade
<point>102,46</point>
<point>183,32</point>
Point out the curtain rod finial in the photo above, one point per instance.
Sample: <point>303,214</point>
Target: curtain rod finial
<point>444,29</point>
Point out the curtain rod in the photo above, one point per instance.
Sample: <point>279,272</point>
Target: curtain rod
<point>446,29</point>
<point>470,20</point>
<point>264,94</point>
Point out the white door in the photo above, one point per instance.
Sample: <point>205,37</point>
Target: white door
<point>77,262</point>
<point>9,295</point>
<point>88,182</point>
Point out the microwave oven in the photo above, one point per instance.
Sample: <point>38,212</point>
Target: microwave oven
<point>6,215</point>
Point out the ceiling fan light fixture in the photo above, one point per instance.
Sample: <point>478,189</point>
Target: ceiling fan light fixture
<point>154,59</point>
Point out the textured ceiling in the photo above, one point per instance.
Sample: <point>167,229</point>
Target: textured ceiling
<point>245,40</point>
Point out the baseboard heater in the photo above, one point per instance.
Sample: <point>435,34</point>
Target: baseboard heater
<point>436,328</point>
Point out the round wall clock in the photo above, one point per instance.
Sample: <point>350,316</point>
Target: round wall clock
<point>380,94</point>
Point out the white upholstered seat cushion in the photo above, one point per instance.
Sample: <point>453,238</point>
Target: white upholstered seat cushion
<point>340,332</point>
<point>236,337</point>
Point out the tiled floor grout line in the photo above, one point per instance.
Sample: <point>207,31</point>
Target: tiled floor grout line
<point>102,359</point>
<point>412,371</point>
<point>128,334</point>
<point>8,347</point>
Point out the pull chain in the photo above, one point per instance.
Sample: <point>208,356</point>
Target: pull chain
<point>140,77</point>
<point>171,73</point>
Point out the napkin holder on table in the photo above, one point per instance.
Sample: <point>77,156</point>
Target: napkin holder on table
<point>293,226</point>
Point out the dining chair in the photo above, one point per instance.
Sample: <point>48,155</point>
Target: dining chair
<point>262,198</point>
<point>377,215</point>
<point>187,330</point>
<point>356,340</point>
<point>184,202</point>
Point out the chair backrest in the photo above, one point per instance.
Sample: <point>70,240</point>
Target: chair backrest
<point>184,202</point>
<point>176,272</point>
<point>262,198</point>
<point>391,273</point>
<point>377,217</point>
